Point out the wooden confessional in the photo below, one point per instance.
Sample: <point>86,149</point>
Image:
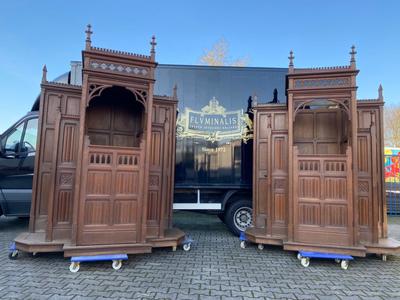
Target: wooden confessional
<point>318,182</point>
<point>105,161</point>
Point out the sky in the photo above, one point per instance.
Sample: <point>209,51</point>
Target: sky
<point>34,33</point>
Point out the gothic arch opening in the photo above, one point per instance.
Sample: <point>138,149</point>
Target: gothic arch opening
<point>321,126</point>
<point>115,118</point>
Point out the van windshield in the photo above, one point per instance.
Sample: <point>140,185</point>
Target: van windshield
<point>30,135</point>
<point>14,138</point>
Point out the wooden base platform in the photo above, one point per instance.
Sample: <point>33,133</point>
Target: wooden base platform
<point>353,251</point>
<point>36,242</point>
<point>172,237</point>
<point>259,236</point>
<point>384,247</point>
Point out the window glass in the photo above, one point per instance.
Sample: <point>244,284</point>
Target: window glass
<point>14,138</point>
<point>30,136</point>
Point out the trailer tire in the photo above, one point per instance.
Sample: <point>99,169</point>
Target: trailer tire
<point>221,216</point>
<point>239,216</point>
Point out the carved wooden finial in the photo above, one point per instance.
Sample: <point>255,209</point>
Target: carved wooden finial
<point>44,74</point>
<point>291,58</point>
<point>380,92</point>
<point>153,47</point>
<point>175,91</point>
<point>88,32</point>
<point>353,53</point>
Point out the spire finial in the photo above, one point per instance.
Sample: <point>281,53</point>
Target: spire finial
<point>153,47</point>
<point>88,32</point>
<point>44,74</point>
<point>291,58</point>
<point>380,92</point>
<point>353,53</point>
<point>175,92</point>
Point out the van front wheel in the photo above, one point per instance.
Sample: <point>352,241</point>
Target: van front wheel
<point>239,216</point>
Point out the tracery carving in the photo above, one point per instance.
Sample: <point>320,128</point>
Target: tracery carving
<point>343,105</point>
<point>141,95</point>
<point>66,179</point>
<point>95,90</point>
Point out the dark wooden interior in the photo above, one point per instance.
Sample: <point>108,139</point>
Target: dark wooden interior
<point>104,169</point>
<point>115,118</point>
<point>318,167</point>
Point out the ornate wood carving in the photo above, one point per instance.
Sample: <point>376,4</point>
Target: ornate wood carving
<point>66,179</point>
<point>95,90</point>
<point>105,163</point>
<point>333,197</point>
<point>120,68</point>
<point>321,83</point>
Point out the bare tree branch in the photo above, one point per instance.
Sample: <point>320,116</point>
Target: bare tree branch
<point>218,55</point>
<point>392,125</point>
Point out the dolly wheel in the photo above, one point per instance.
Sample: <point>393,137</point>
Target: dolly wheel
<point>74,267</point>
<point>344,264</point>
<point>117,264</point>
<point>305,261</point>
<point>337,260</point>
<point>243,244</point>
<point>260,246</point>
<point>186,247</point>
<point>299,257</point>
<point>13,255</point>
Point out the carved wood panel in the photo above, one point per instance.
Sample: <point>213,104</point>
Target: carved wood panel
<point>261,172</point>
<point>56,160</point>
<point>65,173</point>
<point>365,190</point>
<point>161,164</point>
<point>322,205</point>
<point>270,198</point>
<point>111,195</point>
<point>63,177</point>
<point>156,195</point>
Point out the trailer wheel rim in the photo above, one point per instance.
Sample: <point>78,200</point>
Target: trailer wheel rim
<point>242,218</point>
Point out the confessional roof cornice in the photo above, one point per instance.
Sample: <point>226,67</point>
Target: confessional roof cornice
<point>61,86</point>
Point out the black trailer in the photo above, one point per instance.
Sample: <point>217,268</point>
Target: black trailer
<point>214,135</point>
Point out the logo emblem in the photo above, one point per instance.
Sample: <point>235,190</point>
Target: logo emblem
<point>214,123</point>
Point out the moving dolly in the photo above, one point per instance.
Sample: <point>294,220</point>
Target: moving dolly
<point>305,256</point>
<point>115,258</point>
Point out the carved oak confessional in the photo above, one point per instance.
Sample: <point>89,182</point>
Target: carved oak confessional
<point>105,166</point>
<point>318,182</point>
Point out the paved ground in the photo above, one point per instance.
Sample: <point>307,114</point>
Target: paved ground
<point>215,268</point>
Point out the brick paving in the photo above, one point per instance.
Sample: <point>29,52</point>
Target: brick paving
<point>215,268</point>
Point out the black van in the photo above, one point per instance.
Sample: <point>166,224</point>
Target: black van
<point>17,159</point>
<point>213,170</point>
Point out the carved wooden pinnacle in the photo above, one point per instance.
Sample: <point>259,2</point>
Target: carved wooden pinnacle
<point>88,32</point>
